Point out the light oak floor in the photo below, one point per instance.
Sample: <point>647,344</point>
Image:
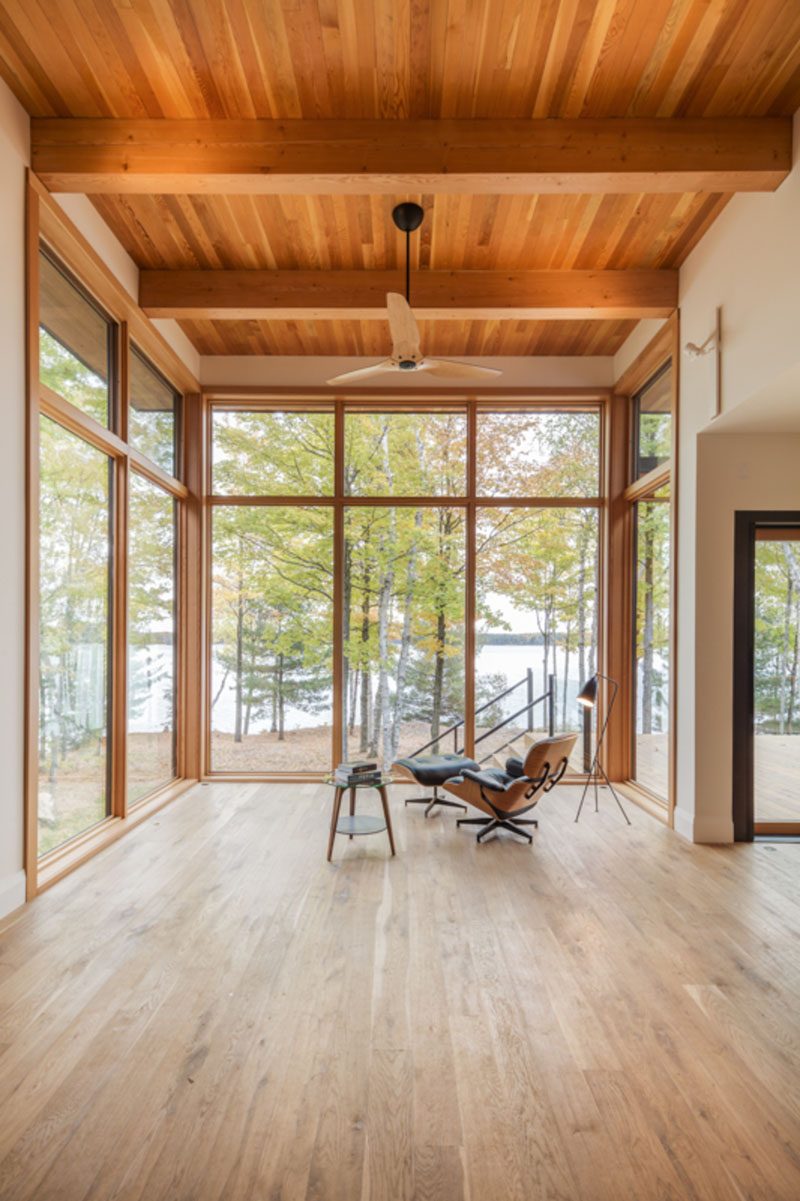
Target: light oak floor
<point>209,1010</point>
<point>777,772</point>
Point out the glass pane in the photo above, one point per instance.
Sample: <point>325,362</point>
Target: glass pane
<point>538,454</point>
<point>272,602</point>
<point>536,608</point>
<point>776,680</point>
<point>404,586</point>
<point>652,540</point>
<point>405,454</point>
<point>272,454</point>
<point>653,423</point>
<point>75,576</point>
<point>74,343</point>
<point>152,619</point>
<point>153,414</point>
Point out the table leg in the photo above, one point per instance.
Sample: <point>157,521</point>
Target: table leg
<point>352,805</point>
<point>337,804</point>
<point>388,816</point>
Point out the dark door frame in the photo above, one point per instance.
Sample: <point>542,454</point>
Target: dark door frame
<point>746,524</point>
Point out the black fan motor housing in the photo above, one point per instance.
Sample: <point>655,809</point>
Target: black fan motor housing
<point>408,216</point>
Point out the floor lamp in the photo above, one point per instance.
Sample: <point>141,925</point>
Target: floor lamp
<point>588,698</point>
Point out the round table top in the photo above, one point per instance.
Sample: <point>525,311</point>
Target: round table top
<point>384,781</point>
<point>360,823</point>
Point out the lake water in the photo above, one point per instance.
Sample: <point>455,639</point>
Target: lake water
<point>508,662</point>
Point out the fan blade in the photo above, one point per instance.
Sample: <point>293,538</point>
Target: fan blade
<point>448,370</point>
<point>348,377</point>
<point>405,335</point>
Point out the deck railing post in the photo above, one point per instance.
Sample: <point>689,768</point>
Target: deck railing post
<point>551,705</point>
<point>587,740</point>
<point>529,677</point>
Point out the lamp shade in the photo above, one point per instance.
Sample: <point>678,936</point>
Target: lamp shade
<point>588,694</point>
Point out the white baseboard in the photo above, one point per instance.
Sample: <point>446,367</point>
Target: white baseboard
<point>700,828</point>
<point>12,892</point>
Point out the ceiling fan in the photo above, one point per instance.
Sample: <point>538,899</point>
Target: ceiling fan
<point>406,354</point>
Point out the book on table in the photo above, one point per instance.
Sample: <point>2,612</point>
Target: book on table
<point>361,772</point>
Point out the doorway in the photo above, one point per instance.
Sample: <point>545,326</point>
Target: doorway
<point>766,756</point>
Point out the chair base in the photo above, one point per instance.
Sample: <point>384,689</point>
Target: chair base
<point>431,801</point>
<point>495,823</point>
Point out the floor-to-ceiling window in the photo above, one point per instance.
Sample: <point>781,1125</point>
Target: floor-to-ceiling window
<point>649,495</point>
<point>389,576</point>
<point>272,585</point>
<point>106,499</point>
<point>536,573</point>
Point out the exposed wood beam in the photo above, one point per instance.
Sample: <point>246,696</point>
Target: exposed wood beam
<point>360,156</point>
<point>435,295</point>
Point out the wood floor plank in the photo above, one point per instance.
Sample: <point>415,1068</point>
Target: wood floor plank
<point>209,1011</point>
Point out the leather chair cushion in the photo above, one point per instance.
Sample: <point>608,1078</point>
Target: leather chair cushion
<point>435,769</point>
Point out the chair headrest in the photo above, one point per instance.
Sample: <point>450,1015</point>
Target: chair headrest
<point>550,751</point>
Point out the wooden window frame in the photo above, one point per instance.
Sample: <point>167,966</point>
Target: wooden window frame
<point>624,492</point>
<point>472,402</point>
<point>47,226</point>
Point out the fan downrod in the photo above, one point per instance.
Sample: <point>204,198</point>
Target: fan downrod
<point>408,216</point>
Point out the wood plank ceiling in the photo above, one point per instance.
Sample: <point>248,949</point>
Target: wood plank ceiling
<point>394,61</point>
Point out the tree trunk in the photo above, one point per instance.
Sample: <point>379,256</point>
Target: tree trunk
<point>438,677</point>
<point>566,678</point>
<point>366,684</point>
<point>354,678</point>
<point>783,664</point>
<point>221,688</point>
<point>648,635</point>
<point>237,735</point>
<point>405,638</point>
<point>347,670</point>
<point>388,546</point>
<point>281,702</point>
<point>793,677</point>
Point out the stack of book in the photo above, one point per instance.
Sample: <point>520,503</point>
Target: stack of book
<point>360,772</point>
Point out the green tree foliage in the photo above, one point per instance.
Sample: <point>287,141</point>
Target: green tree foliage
<point>404,568</point>
<point>152,621</point>
<point>273,595</point>
<point>74,525</point>
<point>64,372</point>
<point>777,637</point>
<point>652,613</point>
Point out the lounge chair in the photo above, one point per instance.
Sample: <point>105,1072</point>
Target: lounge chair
<point>506,795</point>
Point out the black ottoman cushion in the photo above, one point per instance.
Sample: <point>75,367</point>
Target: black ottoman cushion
<point>433,770</point>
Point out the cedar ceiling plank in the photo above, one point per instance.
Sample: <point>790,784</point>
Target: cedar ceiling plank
<point>370,338</point>
<point>408,58</point>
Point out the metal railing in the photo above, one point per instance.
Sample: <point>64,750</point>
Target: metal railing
<point>549,696</point>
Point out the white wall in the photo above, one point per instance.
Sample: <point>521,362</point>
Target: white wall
<point>734,471</point>
<point>748,263</point>
<point>14,144</point>
<point>312,371</point>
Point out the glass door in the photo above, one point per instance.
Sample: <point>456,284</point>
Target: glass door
<point>776,686</point>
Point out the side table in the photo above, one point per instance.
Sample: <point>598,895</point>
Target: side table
<point>357,823</point>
